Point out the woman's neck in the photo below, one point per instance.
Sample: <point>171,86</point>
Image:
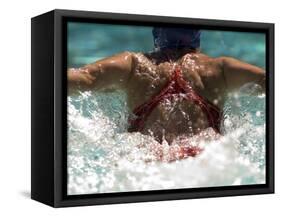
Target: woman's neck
<point>174,53</point>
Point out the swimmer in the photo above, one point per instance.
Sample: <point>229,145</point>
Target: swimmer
<point>174,91</point>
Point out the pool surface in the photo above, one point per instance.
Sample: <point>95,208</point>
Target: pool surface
<point>104,157</point>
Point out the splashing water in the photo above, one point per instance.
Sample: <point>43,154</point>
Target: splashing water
<point>104,157</point>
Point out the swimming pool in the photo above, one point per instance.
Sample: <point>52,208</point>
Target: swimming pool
<point>104,157</point>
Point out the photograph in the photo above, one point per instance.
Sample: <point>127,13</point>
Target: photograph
<point>164,107</point>
<point>140,108</point>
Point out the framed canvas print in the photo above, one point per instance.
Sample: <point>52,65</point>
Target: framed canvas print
<point>133,108</point>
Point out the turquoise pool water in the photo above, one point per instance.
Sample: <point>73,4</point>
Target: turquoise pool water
<point>90,42</point>
<point>103,157</point>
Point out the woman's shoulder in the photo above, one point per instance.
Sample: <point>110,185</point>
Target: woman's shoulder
<point>200,58</point>
<point>150,56</point>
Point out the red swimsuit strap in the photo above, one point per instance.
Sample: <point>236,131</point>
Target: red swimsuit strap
<point>175,85</point>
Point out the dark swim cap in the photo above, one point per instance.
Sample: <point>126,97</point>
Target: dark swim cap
<point>168,37</point>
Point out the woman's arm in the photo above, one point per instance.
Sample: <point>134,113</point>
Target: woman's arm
<point>113,70</point>
<point>238,73</point>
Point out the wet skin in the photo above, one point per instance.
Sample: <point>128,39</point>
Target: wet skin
<point>172,118</point>
<point>144,75</point>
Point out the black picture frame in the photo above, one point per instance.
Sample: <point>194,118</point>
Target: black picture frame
<point>49,114</point>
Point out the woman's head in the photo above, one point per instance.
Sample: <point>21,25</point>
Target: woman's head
<point>176,37</point>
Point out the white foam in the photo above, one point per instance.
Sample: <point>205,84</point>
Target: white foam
<point>103,157</point>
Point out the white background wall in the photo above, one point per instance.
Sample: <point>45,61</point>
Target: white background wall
<point>15,106</point>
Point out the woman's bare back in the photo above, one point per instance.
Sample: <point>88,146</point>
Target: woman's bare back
<point>173,118</point>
